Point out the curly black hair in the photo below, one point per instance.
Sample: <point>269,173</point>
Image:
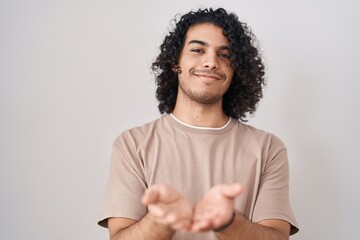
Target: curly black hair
<point>245,90</point>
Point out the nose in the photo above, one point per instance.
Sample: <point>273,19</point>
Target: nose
<point>210,61</point>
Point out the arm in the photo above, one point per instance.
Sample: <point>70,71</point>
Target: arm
<point>145,229</point>
<point>168,211</point>
<point>242,228</point>
<point>215,210</point>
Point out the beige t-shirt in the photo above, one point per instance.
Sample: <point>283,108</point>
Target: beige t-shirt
<point>193,160</point>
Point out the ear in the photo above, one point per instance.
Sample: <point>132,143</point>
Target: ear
<point>176,69</point>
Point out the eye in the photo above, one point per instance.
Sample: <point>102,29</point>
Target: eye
<point>224,55</point>
<point>197,50</point>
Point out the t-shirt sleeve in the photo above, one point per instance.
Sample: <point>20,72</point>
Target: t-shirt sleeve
<point>273,195</point>
<point>126,185</point>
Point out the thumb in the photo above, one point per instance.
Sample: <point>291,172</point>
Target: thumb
<point>231,190</point>
<point>150,196</point>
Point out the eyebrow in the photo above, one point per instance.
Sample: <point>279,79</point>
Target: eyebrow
<point>206,44</point>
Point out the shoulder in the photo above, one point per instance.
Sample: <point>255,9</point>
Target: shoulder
<point>261,137</point>
<point>139,133</point>
<point>270,147</point>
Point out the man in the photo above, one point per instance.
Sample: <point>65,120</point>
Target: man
<point>197,172</point>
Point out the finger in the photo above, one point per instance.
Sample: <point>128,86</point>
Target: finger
<point>157,211</point>
<point>232,190</point>
<point>201,226</point>
<point>150,196</point>
<point>174,220</point>
<point>167,194</point>
<point>184,226</point>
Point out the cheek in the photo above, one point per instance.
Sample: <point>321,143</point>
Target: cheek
<point>230,74</point>
<point>227,68</point>
<point>189,63</point>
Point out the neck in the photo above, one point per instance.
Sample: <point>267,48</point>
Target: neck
<point>200,115</point>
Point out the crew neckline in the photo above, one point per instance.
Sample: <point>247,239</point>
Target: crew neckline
<point>201,128</point>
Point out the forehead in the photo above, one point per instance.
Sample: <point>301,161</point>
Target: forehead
<point>208,33</point>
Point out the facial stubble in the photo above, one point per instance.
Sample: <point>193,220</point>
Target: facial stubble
<point>204,97</point>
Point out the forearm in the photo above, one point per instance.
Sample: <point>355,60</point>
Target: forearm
<point>243,229</point>
<point>145,229</point>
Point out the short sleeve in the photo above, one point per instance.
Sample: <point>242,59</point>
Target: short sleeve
<point>273,196</point>
<point>126,185</point>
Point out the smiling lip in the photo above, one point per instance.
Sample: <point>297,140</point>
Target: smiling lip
<point>211,76</point>
<point>208,75</point>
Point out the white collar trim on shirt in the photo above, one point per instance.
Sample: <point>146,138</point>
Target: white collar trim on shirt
<point>203,128</point>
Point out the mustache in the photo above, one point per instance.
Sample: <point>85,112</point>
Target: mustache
<point>207,72</point>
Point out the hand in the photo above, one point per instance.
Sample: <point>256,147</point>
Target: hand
<point>167,206</point>
<point>216,207</point>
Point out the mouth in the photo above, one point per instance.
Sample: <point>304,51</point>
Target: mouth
<point>208,78</point>
<point>208,75</point>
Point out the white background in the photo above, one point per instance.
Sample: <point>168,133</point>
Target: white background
<point>74,74</point>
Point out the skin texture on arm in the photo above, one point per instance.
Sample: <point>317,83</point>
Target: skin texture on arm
<point>168,211</point>
<point>243,229</point>
<point>145,229</point>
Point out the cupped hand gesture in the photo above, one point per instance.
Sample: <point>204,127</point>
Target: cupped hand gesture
<point>216,208</point>
<point>171,208</point>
